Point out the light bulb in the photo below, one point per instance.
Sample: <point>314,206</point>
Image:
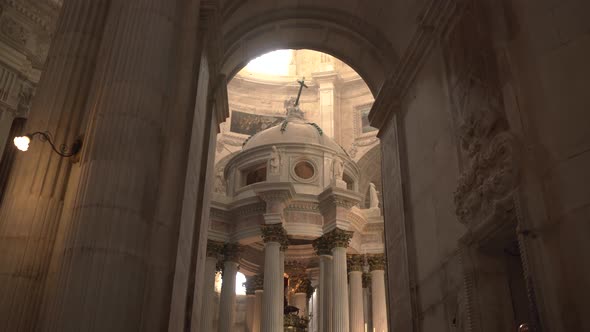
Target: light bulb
<point>22,142</point>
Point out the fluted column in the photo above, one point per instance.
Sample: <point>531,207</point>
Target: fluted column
<point>340,318</point>
<point>368,312</point>
<point>272,303</point>
<point>113,215</point>
<point>377,267</point>
<point>227,300</point>
<point>324,251</point>
<point>214,250</point>
<point>259,292</point>
<point>250,284</point>
<point>355,281</point>
<point>34,197</point>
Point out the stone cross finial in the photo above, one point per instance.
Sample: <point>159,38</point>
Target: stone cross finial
<point>301,85</point>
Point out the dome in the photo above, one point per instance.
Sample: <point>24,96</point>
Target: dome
<point>292,131</point>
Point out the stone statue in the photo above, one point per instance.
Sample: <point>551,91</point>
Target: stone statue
<point>220,184</point>
<point>275,161</point>
<point>373,196</point>
<point>338,168</point>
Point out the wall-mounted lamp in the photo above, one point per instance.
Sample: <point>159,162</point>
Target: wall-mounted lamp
<point>22,143</point>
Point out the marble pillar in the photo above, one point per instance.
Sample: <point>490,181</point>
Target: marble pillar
<point>355,277</point>
<point>227,300</point>
<point>208,311</point>
<point>272,303</point>
<point>257,310</point>
<point>340,313</point>
<point>34,196</point>
<point>250,307</point>
<point>368,312</point>
<point>323,250</point>
<point>114,217</point>
<point>379,305</point>
<point>253,286</point>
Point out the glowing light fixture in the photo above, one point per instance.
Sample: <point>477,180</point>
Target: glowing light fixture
<point>22,143</point>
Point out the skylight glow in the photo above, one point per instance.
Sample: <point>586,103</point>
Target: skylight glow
<point>272,63</point>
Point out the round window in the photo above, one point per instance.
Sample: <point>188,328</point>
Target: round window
<point>304,170</point>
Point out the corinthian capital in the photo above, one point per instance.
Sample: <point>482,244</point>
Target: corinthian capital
<point>274,233</point>
<point>377,262</point>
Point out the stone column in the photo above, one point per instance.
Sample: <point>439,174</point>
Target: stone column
<point>340,318</point>
<point>323,250</point>
<point>250,284</point>
<point>214,250</point>
<point>368,313</point>
<point>301,291</point>
<point>355,277</point>
<point>282,294</point>
<point>34,196</point>
<point>250,306</point>
<point>112,222</point>
<point>227,300</point>
<point>272,303</point>
<point>379,306</point>
<point>259,292</point>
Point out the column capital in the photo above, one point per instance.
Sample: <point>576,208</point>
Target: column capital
<point>340,238</point>
<point>231,252</point>
<point>322,246</point>
<point>214,248</point>
<point>274,233</point>
<point>377,262</point>
<point>366,280</point>
<point>354,263</point>
<point>258,282</point>
<point>250,284</point>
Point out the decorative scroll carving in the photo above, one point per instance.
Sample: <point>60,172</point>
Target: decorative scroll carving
<point>274,233</point>
<point>485,189</point>
<point>14,30</point>
<point>376,262</point>
<point>354,263</point>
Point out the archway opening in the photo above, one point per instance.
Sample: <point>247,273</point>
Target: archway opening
<point>298,116</point>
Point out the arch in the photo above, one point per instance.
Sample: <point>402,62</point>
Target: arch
<point>337,33</point>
